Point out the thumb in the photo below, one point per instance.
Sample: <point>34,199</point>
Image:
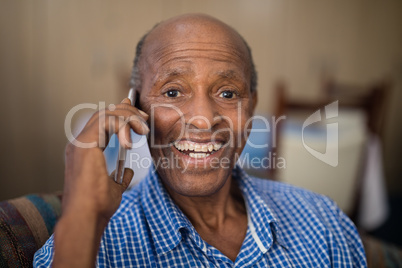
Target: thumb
<point>127,177</point>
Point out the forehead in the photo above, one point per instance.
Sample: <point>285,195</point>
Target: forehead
<point>196,29</point>
<point>194,40</point>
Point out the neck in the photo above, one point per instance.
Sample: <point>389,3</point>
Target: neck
<point>211,211</point>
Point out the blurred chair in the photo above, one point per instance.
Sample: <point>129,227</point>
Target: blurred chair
<point>25,225</point>
<point>361,114</point>
<point>373,100</point>
<point>380,254</point>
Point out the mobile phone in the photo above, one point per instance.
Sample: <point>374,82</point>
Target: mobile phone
<point>122,154</point>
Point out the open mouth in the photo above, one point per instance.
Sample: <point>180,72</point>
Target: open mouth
<point>197,150</point>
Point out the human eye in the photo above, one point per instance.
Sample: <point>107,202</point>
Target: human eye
<point>172,93</point>
<point>228,94</point>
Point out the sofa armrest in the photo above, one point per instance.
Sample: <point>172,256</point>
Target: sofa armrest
<point>380,253</point>
<point>25,225</point>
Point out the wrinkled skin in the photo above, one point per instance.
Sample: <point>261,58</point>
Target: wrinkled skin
<point>207,67</point>
<point>195,87</point>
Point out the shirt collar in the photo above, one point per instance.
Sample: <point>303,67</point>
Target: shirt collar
<point>262,222</point>
<point>166,220</point>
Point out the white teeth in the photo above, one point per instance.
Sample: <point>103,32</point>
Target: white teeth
<point>210,148</point>
<point>198,155</point>
<point>217,146</point>
<point>197,148</point>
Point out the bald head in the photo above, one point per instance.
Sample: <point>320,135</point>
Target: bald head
<point>190,28</point>
<point>195,28</point>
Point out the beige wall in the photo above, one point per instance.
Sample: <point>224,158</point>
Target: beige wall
<point>57,54</point>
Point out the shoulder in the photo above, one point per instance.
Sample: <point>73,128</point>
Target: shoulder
<point>281,198</point>
<point>284,191</point>
<point>298,211</point>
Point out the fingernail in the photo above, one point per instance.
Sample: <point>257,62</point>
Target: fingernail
<point>145,126</point>
<point>124,100</point>
<point>143,113</point>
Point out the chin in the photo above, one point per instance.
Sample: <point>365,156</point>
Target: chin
<point>194,182</point>
<point>194,177</point>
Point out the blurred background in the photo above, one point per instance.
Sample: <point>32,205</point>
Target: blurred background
<point>55,55</point>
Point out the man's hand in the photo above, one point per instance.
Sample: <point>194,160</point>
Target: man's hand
<point>91,196</point>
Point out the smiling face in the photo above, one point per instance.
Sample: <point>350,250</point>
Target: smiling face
<point>196,88</point>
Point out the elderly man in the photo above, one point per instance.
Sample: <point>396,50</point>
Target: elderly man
<point>195,83</point>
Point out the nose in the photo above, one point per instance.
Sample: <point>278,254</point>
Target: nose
<point>202,112</point>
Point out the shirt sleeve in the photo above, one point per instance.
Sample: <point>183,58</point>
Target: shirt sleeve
<point>347,232</point>
<point>44,256</point>
<point>353,239</point>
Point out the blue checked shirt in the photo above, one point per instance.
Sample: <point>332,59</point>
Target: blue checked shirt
<point>287,227</point>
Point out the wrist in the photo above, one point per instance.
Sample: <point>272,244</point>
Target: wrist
<point>77,239</point>
<point>85,217</point>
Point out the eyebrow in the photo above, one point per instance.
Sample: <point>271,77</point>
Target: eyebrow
<point>175,72</point>
<point>230,75</point>
<point>227,74</point>
<point>171,73</point>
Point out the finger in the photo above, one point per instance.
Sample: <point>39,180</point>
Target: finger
<point>126,101</point>
<point>143,114</point>
<point>130,98</point>
<point>126,104</point>
<point>138,125</point>
<point>127,177</point>
<point>122,129</point>
<point>105,123</point>
<point>123,109</point>
<point>124,136</point>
